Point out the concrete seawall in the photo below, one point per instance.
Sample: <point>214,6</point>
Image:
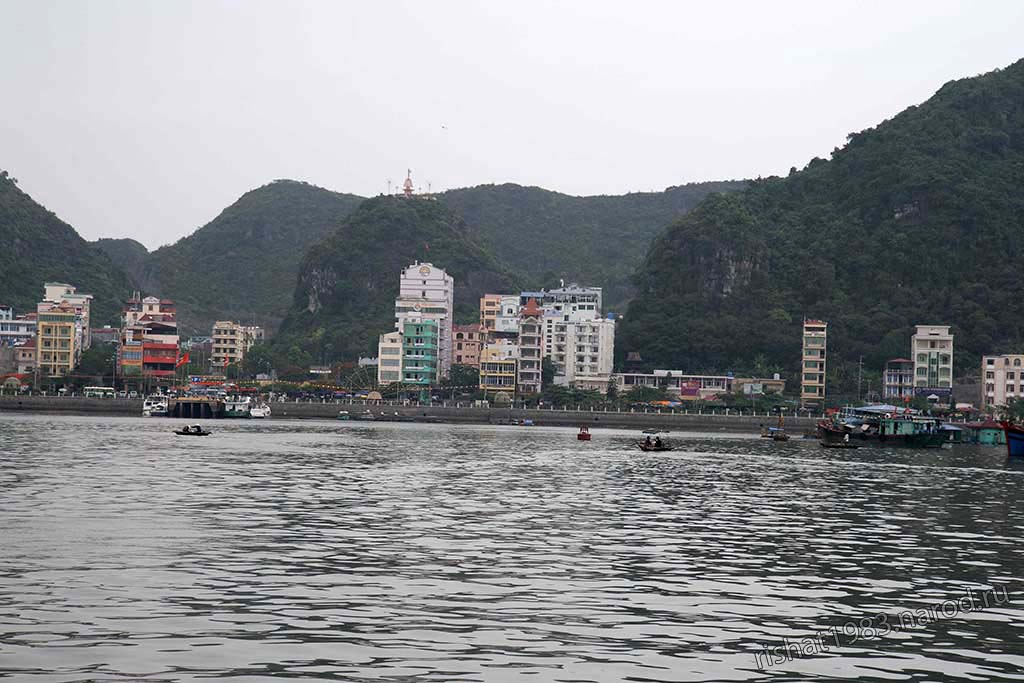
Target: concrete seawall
<point>436,413</point>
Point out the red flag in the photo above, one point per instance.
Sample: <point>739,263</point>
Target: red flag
<point>181,361</point>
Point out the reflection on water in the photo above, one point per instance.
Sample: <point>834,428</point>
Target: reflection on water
<point>337,551</point>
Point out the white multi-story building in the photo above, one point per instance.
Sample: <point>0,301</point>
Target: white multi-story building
<point>583,352</point>
<point>427,293</point>
<point>573,299</point>
<point>1003,379</point>
<point>15,330</point>
<point>931,348</point>
<point>389,358</point>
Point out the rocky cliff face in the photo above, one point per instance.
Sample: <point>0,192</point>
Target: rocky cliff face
<point>920,219</point>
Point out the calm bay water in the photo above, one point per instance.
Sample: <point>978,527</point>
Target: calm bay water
<point>339,551</point>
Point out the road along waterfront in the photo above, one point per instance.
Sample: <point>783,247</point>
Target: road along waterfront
<point>326,550</point>
<point>440,412</point>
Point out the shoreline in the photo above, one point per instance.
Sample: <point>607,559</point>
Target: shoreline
<point>444,414</point>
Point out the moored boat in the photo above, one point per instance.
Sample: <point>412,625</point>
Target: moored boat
<point>839,444</point>
<point>237,406</point>
<point>584,434</point>
<point>155,406</point>
<point>259,410</point>
<point>1014,438</point>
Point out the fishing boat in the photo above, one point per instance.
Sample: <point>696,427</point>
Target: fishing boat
<point>584,434</point>
<point>1014,438</point>
<point>155,406</point>
<point>343,415</point>
<point>192,430</point>
<point>656,444</point>
<point>260,410</point>
<point>644,447</point>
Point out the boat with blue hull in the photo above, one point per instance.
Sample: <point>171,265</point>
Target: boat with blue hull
<point>1014,439</point>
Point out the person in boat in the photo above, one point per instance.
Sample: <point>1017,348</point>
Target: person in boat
<point>846,438</point>
<point>657,442</point>
<point>647,441</point>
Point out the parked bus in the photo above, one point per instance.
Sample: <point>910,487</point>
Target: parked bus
<point>98,392</point>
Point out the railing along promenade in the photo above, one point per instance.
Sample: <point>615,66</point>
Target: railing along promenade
<point>444,411</point>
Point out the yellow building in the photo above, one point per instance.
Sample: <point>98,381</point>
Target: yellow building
<point>55,341</point>
<point>812,371</point>
<point>490,307</point>
<point>498,361</point>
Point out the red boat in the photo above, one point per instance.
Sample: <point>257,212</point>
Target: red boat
<point>584,434</point>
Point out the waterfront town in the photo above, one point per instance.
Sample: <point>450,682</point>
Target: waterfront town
<point>519,336</point>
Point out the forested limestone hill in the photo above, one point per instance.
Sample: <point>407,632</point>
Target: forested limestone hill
<point>38,247</point>
<point>347,283</point>
<point>242,264</point>
<point>598,240</point>
<point>918,220</point>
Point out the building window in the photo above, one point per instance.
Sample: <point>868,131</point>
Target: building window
<point>1016,362</point>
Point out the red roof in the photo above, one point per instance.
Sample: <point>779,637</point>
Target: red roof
<point>531,308</point>
<point>987,424</point>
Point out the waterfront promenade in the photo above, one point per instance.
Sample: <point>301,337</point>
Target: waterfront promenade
<point>449,412</point>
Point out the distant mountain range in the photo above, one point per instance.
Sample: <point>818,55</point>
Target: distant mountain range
<point>243,264</point>
<point>919,220</point>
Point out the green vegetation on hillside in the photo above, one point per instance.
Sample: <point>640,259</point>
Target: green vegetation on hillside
<point>348,282</point>
<point>242,264</point>
<point>127,253</point>
<point>38,247</point>
<point>916,221</point>
<point>597,240</point>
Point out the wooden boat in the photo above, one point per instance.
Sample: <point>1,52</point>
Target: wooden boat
<point>644,447</point>
<point>584,434</point>
<point>1014,438</point>
<point>839,444</point>
<point>192,430</point>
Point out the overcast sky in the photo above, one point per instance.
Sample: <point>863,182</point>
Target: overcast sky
<point>145,119</point>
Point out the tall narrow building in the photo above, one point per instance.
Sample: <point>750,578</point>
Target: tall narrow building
<point>812,367</point>
<point>426,293</point>
<point>931,349</point>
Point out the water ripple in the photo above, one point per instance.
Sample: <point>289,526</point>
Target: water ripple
<point>397,552</point>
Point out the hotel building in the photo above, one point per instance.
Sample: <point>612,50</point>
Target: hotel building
<point>812,366</point>
<point>389,358</point>
<point>427,293</point>
<point>931,348</point>
<point>56,352</point>
<point>1003,379</point>
<point>498,362</point>
<point>466,345</point>
<point>531,348</point>
<point>231,341</point>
